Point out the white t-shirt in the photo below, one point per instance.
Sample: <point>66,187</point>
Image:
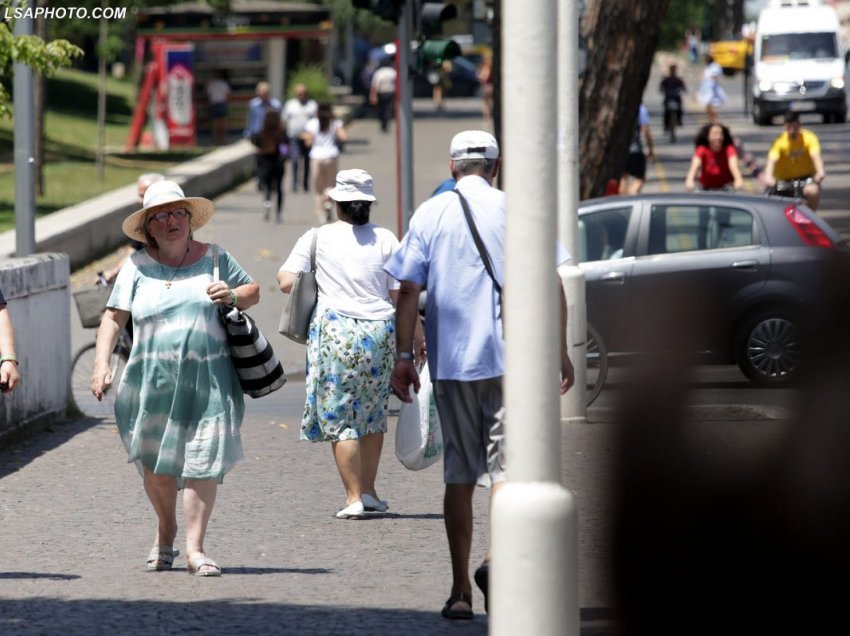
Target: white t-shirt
<point>383,80</point>
<point>349,268</point>
<point>296,115</point>
<point>217,91</point>
<point>324,143</point>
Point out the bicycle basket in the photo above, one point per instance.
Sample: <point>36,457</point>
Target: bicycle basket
<point>91,303</point>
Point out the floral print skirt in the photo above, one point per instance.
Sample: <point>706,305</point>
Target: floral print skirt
<point>349,363</point>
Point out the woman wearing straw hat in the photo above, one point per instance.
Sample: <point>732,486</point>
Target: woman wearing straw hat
<point>179,406</point>
<point>351,347</point>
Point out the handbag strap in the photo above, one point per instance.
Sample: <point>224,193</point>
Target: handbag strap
<point>476,237</point>
<point>313,250</point>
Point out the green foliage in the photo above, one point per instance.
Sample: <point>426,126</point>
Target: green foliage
<point>315,79</point>
<point>681,16</point>
<point>42,57</point>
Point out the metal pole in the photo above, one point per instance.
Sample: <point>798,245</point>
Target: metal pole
<point>101,101</point>
<point>24,151</point>
<point>404,119</point>
<point>534,537</point>
<point>573,407</point>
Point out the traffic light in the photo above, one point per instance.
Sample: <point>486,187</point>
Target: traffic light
<point>387,9</point>
<point>433,15</point>
<point>432,52</point>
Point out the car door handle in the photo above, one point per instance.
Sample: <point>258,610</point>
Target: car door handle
<point>614,277</point>
<point>750,265</point>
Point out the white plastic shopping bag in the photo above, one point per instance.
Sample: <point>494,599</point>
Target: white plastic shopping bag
<point>418,436</point>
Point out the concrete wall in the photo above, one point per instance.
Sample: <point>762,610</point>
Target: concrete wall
<point>36,289</point>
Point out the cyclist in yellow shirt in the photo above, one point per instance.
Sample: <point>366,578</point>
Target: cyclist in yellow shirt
<point>795,155</point>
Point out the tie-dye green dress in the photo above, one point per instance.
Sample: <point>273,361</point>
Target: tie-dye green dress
<point>179,406</point>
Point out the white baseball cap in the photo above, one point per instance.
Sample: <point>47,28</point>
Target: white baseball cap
<point>474,144</point>
<point>353,185</point>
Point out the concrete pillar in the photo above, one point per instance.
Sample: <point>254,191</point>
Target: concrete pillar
<point>534,566</point>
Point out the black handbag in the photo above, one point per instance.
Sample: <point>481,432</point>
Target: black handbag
<point>255,362</point>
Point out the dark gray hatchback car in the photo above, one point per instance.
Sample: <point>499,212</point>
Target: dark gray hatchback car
<point>729,277</point>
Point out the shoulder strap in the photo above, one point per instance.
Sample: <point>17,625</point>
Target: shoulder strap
<point>215,261</point>
<point>313,250</point>
<point>476,237</point>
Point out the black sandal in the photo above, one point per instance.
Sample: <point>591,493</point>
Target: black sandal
<point>458,614</point>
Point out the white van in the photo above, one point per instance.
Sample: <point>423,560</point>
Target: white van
<point>799,63</point>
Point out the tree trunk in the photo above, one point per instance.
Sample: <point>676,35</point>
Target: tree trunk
<point>621,41</point>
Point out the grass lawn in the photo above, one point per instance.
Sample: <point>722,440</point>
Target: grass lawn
<point>70,173</point>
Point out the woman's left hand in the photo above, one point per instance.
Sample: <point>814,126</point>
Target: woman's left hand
<point>219,293</point>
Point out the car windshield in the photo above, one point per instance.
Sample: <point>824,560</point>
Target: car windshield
<point>798,46</point>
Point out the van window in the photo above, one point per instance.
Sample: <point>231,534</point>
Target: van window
<point>781,47</point>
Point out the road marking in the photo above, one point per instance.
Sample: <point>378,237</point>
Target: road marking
<point>662,176</point>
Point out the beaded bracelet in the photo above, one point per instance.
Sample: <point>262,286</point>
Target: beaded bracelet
<point>233,298</point>
<point>9,359</point>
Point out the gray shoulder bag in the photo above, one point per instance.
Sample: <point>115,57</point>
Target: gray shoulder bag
<point>299,306</point>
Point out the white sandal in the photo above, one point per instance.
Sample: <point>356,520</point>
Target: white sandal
<point>202,560</point>
<point>161,558</point>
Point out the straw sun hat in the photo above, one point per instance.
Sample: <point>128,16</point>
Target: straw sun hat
<point>160,195</point>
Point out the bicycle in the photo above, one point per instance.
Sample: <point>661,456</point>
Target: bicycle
<point>91,304</point>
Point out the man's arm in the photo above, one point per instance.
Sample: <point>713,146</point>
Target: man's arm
<point>820,173</point>
<point>404,372</point>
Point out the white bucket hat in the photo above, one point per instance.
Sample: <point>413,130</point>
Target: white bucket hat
<point>474,144</point>
<point>353,185</point>
<point>160,194</point>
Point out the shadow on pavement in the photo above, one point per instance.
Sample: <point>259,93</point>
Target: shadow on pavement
<point>38,575</point>
<point>21,452</point>
<point>110,616</point>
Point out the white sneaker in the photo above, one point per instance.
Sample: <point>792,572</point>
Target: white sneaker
<point>373,505</point>
<point>352,511</point>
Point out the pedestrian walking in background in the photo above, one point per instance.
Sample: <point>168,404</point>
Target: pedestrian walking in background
<point>324,134</point>
<point>463,331</point>
<point>485,79</point>
<point>635,174</point>
<point>692,41</point>
<point>9,375</point>
<point>297,111</point>
<point>218,90</point>
<point>351,343</point>
<point>711,94</point>
<point>272,148</point>
<point>382,92</point>
<point>179,405</point>
<point>259,105</point>
<point>715,160</point>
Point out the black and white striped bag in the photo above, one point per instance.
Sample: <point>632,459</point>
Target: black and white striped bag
<point>257,367</point>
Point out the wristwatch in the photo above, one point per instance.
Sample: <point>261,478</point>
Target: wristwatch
<point>404,355</point>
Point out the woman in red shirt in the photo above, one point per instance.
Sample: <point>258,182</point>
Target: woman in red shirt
<point>715,159</point>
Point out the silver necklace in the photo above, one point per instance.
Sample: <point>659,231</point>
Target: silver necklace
<point>162,268</point>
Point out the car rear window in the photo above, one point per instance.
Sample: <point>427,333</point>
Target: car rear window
<point>686,228</point>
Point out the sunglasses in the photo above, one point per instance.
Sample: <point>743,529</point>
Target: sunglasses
<point>162,217</point>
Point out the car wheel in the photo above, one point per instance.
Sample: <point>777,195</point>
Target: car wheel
<point>759,118</point>
<point>768,348</point>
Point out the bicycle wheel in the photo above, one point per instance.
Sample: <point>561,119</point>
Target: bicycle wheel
<point>81,372</point>
<point>597,365</point>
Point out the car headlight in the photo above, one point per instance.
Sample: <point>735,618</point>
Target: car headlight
<point>838,83</point>
<point>765,86</point>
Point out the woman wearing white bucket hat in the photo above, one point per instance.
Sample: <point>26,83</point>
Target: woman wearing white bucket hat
<point>351,346</point>
<point>179,405</point>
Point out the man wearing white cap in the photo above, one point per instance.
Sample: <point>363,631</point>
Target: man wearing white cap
<point>463,332</point>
